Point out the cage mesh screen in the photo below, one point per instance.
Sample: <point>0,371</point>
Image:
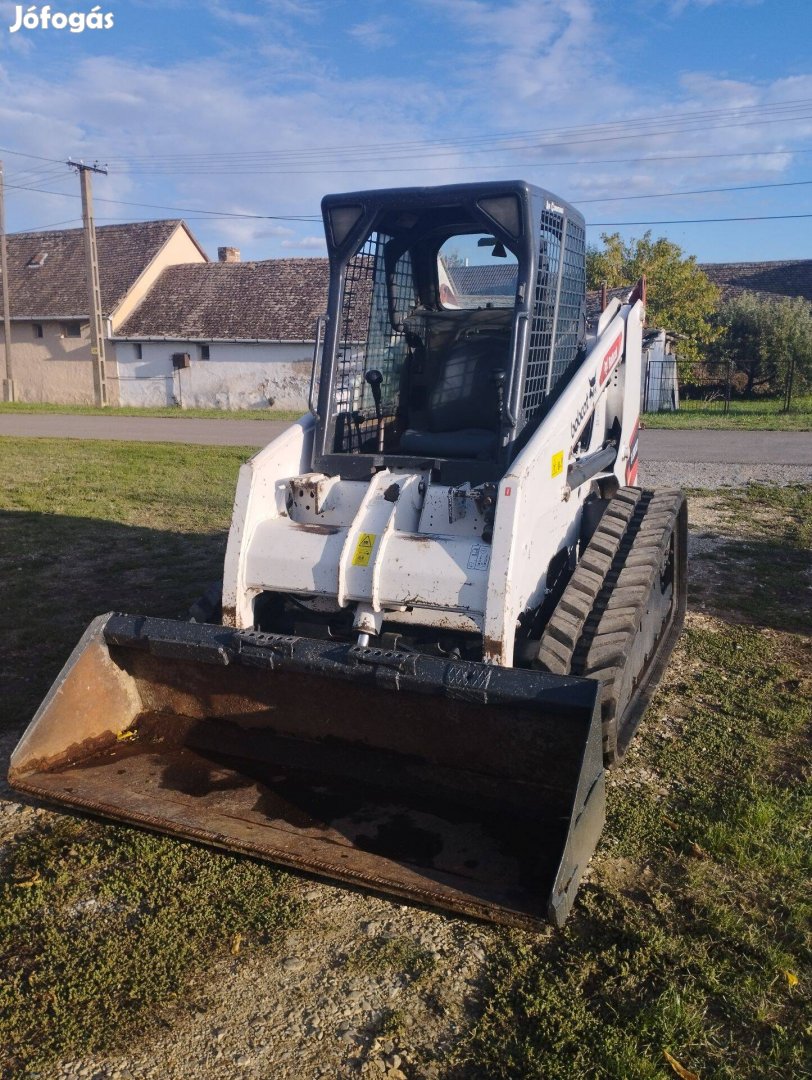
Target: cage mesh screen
<point>368,341</point>
<point>570,300</point>
<point>559,298</point>
<point>541,328</point>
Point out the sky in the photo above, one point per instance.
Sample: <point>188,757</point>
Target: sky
<point>239,116</point>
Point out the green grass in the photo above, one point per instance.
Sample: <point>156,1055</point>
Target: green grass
<point>92,527</point>
<point>699,901</point>
<point>168,411</point>
<point>100,926</point>
<point>758,415</point>
<point>384,954</point>
<point>764,568</point>
<point>115,924</point>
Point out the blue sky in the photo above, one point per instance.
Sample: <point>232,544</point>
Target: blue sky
<point>244,114</point>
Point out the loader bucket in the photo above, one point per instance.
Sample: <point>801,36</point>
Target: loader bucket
<point>455,784</point>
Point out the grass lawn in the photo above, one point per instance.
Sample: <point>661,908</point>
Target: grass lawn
<point>756,415</point>
<point>690,937</point>
<point>100,926</point>
<point>167,411</point>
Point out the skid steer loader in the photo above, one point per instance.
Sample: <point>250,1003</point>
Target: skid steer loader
<point>445,602</point>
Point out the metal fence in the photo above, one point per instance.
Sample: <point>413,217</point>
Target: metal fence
<point>670,384</point>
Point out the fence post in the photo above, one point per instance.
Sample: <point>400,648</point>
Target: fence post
<point>646,379</point>
<point>788,384</point>
<point>728,372</point>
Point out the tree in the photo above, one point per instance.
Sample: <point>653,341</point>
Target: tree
<point>768,339</point>
<point>680,297</point>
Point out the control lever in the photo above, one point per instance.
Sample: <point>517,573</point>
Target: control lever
<point>374,378</point>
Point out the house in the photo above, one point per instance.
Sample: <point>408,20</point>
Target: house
<point>792,277</point>
<point>50,322</point>
<point>229,334</point>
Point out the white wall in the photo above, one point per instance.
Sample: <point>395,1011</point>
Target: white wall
<point>239,375</point>
<point>54,368</point>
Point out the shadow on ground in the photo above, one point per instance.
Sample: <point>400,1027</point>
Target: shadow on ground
<point>58,572</point>
<point>766,584</point>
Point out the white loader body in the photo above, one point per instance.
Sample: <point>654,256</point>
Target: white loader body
<point>421,559</point>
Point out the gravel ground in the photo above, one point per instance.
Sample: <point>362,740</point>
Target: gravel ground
<point>697,474</point>
<point>312,1010</point>
<point>314,1007</point>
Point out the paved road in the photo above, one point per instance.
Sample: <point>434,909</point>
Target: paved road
<point>730,447</point>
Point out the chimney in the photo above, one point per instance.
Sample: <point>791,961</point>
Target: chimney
<point>228,254</point>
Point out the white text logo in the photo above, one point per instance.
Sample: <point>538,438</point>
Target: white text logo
<point>34,18</point>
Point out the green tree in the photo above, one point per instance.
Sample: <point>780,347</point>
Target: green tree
<point>680,297</point>
<point>768,339</point>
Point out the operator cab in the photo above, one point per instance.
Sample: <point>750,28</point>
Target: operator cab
<point>429,329</point>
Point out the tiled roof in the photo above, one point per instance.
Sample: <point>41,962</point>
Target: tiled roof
<point>788,278</point>
<point>272,300</point>
<point>486,280</point>
<point>593,299</point>
<point>56,288</point>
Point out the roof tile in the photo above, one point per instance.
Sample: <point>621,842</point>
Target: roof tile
<point>788,278</point>
<point>57,287</point>
<point>270,300</point>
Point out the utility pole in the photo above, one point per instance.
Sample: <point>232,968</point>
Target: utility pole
<point>8,381</point>
<point>93,288</point>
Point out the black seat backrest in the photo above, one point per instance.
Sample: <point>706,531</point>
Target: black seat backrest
<point>463,392</point>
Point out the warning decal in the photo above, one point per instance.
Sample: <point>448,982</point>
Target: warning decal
<point>363,549</point>
<point>558,463</point>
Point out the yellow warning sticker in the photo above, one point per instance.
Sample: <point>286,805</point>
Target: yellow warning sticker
<point>363,549</point>
<point>558,463</point>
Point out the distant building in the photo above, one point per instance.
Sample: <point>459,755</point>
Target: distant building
<point>50,320</point>
<point>228,334</point>
<point>791,277</point>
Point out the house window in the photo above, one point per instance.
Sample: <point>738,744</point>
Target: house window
<point>37,328</point>
<point>71,329</point>
<point>139,352</point>
<point>205,352</point>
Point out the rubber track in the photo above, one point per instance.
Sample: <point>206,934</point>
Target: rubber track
<point>566,625</point>
<point>594,626</point>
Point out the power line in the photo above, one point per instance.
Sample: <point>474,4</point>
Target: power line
<point>332,164</point>
<point>177,209</point>
<point>34,157</point>
<point>36,175</point>
<point>698,221</point>
<point>698,191</point>
<point>53,225</point>
<point>225,214</point>
<point>458,143</point>
<point>656,125</point>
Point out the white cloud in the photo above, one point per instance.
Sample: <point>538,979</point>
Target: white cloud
<point>221,9</point>
<point>677,7</point>
<point>375,33</point>
<point>308,243</point>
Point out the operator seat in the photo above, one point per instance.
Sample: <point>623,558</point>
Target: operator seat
<point>462,418</point>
